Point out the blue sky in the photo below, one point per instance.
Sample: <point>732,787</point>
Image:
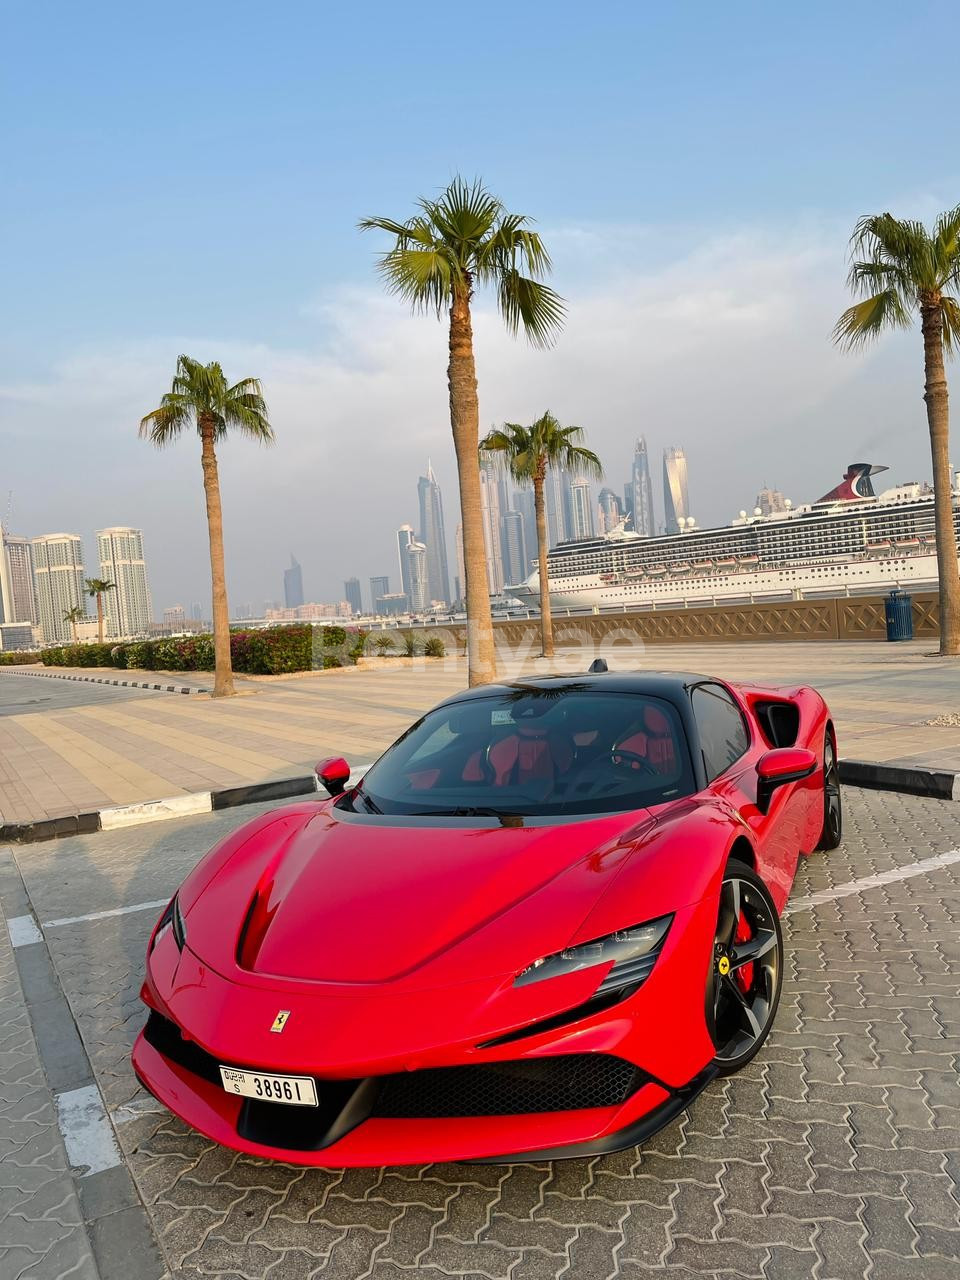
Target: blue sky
<point>193,173</point>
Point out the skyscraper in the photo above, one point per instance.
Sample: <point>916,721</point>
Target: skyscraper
<point>581,509</point>
<point>58,575</point>
<point>378,587</point>
<point>17,600</point>
<point>523,502</point>
<point>675,502</point>
<point>351,592</point>
<point>557,494</point>
<point>433,535</point>
<point>419,590</point>
<point>404,538</point>
<point>490,512</point>
<point>128,609</point>
<point>293,585</point>
<point>514,548</point>
<point>611,510</point>
<point>771,501</point>
<point>641,492</point>
<point>175,618</point>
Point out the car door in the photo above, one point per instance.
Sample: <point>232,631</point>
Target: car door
<point>730,749</point>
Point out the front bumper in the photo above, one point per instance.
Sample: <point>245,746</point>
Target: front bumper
<point>351,1133</point>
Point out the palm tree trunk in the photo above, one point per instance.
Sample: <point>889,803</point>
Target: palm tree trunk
<point>99,618</point>
<point>938,421</point>
<point>465,424</point>
<point>223,670</point>
<point>546,617</point>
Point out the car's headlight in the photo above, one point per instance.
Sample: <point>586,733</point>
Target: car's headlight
<point>633,953</point>
<point>172,918</point>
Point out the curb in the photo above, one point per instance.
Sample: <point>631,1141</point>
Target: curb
<point>132,815</point>
<point>909,780</point>
<point>121,684</point>
<point>930,783</point>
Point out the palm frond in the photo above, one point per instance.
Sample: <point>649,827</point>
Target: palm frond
<point>200,393</point>
<point>162,426</point>
<point>423,277</point>
<point>528,304</point>
<point>464,238</point>
<point>865,320</point>
<point>950,309</point>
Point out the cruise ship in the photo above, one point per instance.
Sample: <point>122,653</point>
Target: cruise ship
<point>851,541</point>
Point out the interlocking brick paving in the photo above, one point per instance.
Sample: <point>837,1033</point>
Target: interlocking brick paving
<point>834,1155</point>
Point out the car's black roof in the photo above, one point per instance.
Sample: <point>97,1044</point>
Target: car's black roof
<point>659,684</point>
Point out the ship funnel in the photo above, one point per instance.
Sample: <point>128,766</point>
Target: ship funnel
<point>856,483</point>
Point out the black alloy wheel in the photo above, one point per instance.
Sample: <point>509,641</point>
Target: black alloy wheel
<point>832,830</point>
<point>746,969</point>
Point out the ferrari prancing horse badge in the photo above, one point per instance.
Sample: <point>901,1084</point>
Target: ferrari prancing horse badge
<point>280,1021</point>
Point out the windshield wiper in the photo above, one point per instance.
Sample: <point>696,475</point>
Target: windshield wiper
<point>469,811</point>
<point>371,806</point>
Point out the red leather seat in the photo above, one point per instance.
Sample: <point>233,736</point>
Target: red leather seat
<point>653,740</point>
<point>530,754</point>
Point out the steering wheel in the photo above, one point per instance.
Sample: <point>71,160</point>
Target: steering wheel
<point>620,756</point>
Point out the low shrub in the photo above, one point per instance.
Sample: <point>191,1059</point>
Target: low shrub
<point>411,645</point>
<point>140,655</point>
<point>383,644</point>
<point>13,659</point>
<point>434,647</point>
<point>77,655</point>
<point>333,637</point>
<point>330,660</point>
<point>270,651</point>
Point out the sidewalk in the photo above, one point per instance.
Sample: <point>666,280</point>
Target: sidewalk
<point>42,1234</point>
<point>83,758</point>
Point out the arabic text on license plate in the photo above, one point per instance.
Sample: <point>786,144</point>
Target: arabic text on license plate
<point>297,1091</point>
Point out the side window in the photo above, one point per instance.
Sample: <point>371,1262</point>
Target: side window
<point>723,734</point>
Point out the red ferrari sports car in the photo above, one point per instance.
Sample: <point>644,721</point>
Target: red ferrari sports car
<point>542,922</point>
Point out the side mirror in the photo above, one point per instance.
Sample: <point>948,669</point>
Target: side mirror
<point>334,774</point>
<point>777,768</point>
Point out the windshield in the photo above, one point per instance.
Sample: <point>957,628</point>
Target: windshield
<point>533,752</point>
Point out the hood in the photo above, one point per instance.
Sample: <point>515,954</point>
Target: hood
<point>357,901</point>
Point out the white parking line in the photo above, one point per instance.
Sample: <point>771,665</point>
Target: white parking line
<point>87,1132</point>
<point>105,915</point>
<point>23,931</point>
<point>853,887</point>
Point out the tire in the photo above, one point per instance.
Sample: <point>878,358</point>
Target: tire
<point>746,969</point>
<point>831,833</point>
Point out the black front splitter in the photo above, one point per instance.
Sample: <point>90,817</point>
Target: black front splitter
<point>631,1136</point>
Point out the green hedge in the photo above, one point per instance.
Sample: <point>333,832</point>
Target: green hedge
<point>17,659</point>
<point>268,652</point>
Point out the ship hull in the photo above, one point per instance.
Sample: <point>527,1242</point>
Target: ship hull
<point>587,591</point>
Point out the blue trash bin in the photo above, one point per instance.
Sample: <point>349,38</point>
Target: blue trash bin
<point>898,612</point>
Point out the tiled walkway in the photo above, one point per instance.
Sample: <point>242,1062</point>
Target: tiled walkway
<point>62,759</point>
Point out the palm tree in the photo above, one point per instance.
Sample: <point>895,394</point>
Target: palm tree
<point>96,587</point>
<point>201,395</point>
<point>73,616</point>
<point>455,244</point>
<point>530,452</point>
<point>900,270</point>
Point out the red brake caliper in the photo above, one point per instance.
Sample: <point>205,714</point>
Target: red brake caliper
<point>743,975</point>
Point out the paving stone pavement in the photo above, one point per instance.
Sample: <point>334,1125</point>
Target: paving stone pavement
<point>42,1236</point>
<point>834,1155</point>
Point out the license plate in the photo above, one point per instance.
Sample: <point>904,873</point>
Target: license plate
<point>294,1091</point>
